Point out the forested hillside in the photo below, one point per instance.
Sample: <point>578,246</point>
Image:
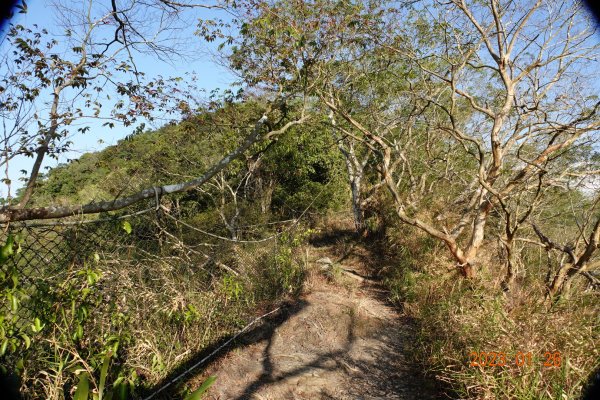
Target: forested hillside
<point>446,155</point>
<point>281,177</point>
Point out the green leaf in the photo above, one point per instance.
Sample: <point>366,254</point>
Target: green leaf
<point>37,324</point>
<point>127,227</point>
<point>120,390</point>
<point>83,388</point>
<point>27,340</point>
<point>78,332</point>
<point>14,302</point>
<point>3,347</point>
<point>6,251</point>
<point>103,374</point>
<point>198,393</point>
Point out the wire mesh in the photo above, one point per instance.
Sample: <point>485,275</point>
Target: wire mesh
<point>147,258</point>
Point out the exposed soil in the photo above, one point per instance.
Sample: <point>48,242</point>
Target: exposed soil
<point>340,341</point>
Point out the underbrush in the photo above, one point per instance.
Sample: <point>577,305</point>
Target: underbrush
<point>545,351</point>
<point>143,312</point>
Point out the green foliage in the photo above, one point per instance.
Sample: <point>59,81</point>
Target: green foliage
<point>83,388</point>
<point>312,176</point>
<point>199,393</point>
<point>232,287</point>
<point>67,303</point>
<point>127,227</point>
<point>96,305</point>
<point>7,249</point>
<point>283,177</point>
<point>12,335</point>
<point>282,274</point>
<point>119,390</point>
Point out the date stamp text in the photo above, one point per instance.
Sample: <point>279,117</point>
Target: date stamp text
<point>520,359</point>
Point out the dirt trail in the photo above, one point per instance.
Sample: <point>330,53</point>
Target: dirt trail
<point>341,341</point>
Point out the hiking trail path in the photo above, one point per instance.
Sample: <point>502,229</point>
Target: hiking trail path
<point>340,340</point>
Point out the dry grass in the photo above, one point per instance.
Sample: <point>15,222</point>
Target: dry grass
<point>160,312</point>
<point>456,317</point>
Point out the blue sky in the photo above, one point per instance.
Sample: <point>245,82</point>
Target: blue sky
<point>210,76</point>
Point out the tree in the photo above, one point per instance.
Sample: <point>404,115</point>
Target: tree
<point>520,124</point>
<point>319,49</point>
<point>97,56</point>
<point>470,107</point>
<point>50,86</point>
<point>575,256</point>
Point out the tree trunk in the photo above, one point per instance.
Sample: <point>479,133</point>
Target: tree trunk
<point>355,186</point>
<point>559,279</point>
<point>509,277</point>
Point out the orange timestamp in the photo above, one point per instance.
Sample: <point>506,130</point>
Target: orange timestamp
<point>519,359</point>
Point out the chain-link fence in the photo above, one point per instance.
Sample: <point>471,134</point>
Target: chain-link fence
<point>149,286</point>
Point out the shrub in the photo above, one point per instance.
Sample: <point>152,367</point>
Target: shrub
<point>458,319</point>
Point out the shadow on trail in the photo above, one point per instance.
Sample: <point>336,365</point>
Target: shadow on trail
<point>262,331</point>
<point>370,351</point>
<point>269,376</point>
<point>349,246</point>
<point>333,237</point>
<point>376,372</point>
<point>371,253</point>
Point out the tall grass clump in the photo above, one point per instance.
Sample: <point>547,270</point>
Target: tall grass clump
<point>131,303</point>
<point>551,348</point>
